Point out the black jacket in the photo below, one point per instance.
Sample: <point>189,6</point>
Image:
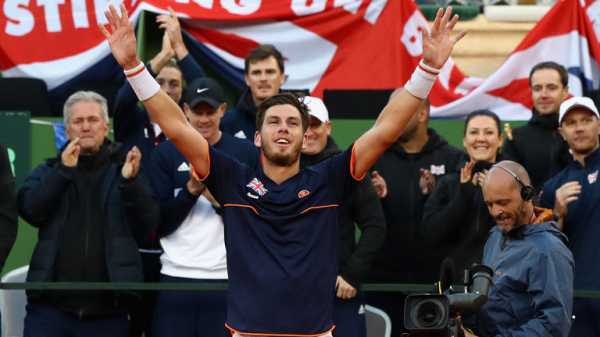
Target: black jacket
<point>539,148</point>
<point>8,206</point>
<point>48,198</point>
<point>240,121</point>
<point>362,208</point>
<point>403,257</point>
<point>456,219</point>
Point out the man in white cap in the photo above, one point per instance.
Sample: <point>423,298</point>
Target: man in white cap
<point>362,207</point>
<point>574,193</point>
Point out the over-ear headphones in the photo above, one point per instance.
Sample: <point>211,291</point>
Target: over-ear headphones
<point>527,191</point>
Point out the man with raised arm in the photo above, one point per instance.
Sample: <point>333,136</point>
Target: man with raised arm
<point>281,221</point>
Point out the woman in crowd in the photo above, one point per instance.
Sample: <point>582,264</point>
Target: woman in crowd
<point>455,217</point>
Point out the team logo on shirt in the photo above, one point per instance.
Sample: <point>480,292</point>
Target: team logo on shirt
<point>257,187</point>
<point>438,170</point>
<point>592,177</point>
<point>303,194</point>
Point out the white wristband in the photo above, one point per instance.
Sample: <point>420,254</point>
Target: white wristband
<point>142,83</point>
<point>421,81</point>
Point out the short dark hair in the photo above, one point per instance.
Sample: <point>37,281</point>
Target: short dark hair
<point>282,99</point>
<point>562,72</point>
<point>484,113</point>
<point>172,63</point>
<point>263,52</point>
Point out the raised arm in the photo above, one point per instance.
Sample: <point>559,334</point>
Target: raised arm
<point>161,108</point>
<point>394,117</point>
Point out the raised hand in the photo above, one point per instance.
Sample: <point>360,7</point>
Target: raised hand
<point>438,44</point>
<point>379,184</point>
<point>565,195</point>
<point>132,163</point>
<point>426,181</point>
<point>120,36</point>
<point>170,23</point>
<point>70,155</point>
<point>466,173</point>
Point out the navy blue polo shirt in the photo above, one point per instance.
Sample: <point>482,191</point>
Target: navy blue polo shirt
<point>281,242</point>
<point>582,225</point>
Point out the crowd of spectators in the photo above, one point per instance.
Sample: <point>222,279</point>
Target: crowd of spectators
<point>136,210</point>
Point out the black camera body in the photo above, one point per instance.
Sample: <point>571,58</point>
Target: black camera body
<point>435,315</point>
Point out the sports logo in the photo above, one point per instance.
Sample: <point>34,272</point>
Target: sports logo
<point>592,177</point>
<point>303,194</point>
<point>257,187</point>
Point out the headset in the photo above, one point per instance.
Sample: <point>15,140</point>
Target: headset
<point>527,191</point>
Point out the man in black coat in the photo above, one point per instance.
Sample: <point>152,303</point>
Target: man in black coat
<point>89,205</point>
<point>538,145</point>
<point>361,209</point>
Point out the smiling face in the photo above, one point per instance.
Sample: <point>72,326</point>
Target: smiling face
<point>547,91</point>
<point>86,122</point>
<point>482,139</point>
<point>264,78</point>
<point>206,120</point>
<point>281,135</point>
<point>316,136</point>
<point>580,128</point>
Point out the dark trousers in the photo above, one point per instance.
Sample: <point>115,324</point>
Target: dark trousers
<point>142,311</point>
<point>190,313</point>
<point>43,320</point>
<point>587,318</point>
<point>349,317</point>
<point>393,305</point>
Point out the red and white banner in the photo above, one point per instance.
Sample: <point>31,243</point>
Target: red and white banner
<point>333,44</point>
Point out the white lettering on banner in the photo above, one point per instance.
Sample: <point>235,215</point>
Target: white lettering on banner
<point>80,17</point>
<point>411,36</point>
<point>302,7</point>
<point>51,14</point>
<point>241,7</point>
<point>20,21</point>
<point>374,10</point>
<point>208,4</point>
<point>350,6</point>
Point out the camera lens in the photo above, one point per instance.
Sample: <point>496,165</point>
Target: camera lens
<point>429,314</point>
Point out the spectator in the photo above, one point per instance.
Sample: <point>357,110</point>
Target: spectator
<point>191,230</point>
<point>89,205</point>
<point>532,286</point>
<point>8,206</point>
<point>264,75</point>
<point>362,209</point>
<point>455,216</point>
<point>538,146</point>
<point>405,176</point>
<point>574,193</point>
<point>133,127</point>
<point>281,221</point>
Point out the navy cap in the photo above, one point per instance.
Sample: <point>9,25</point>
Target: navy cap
<point>204,90</point>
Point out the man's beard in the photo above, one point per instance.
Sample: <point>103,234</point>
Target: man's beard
<point>282,159</point>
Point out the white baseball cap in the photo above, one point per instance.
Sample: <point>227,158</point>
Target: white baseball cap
<point>576,102</point>
<point>316,108</point>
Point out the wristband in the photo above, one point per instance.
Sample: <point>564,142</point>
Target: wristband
<point>422,80</point>
<point>142,83</point>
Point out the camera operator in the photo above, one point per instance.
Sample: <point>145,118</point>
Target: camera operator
<point>532,291</point>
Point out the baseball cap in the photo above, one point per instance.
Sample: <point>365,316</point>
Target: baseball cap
<point>576,102</point>
<point>204,90</point>
<point>316,108</point>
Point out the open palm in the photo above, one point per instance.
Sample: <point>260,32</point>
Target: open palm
<point>438,44</point>
<point>120,36</point>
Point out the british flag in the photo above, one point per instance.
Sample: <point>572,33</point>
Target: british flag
<point>257,187</point>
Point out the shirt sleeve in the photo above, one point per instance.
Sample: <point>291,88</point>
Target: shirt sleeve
<point>223,170</point>
<point>339,171</point>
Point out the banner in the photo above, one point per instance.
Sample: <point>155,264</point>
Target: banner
<point>334,44</point>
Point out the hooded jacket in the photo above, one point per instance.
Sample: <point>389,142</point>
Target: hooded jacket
<point>362,209</point>
<point>403,209</point>
<point>532,291</point>
<point>539,147</point>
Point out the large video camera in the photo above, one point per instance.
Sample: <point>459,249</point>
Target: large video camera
<point>436,315</point>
